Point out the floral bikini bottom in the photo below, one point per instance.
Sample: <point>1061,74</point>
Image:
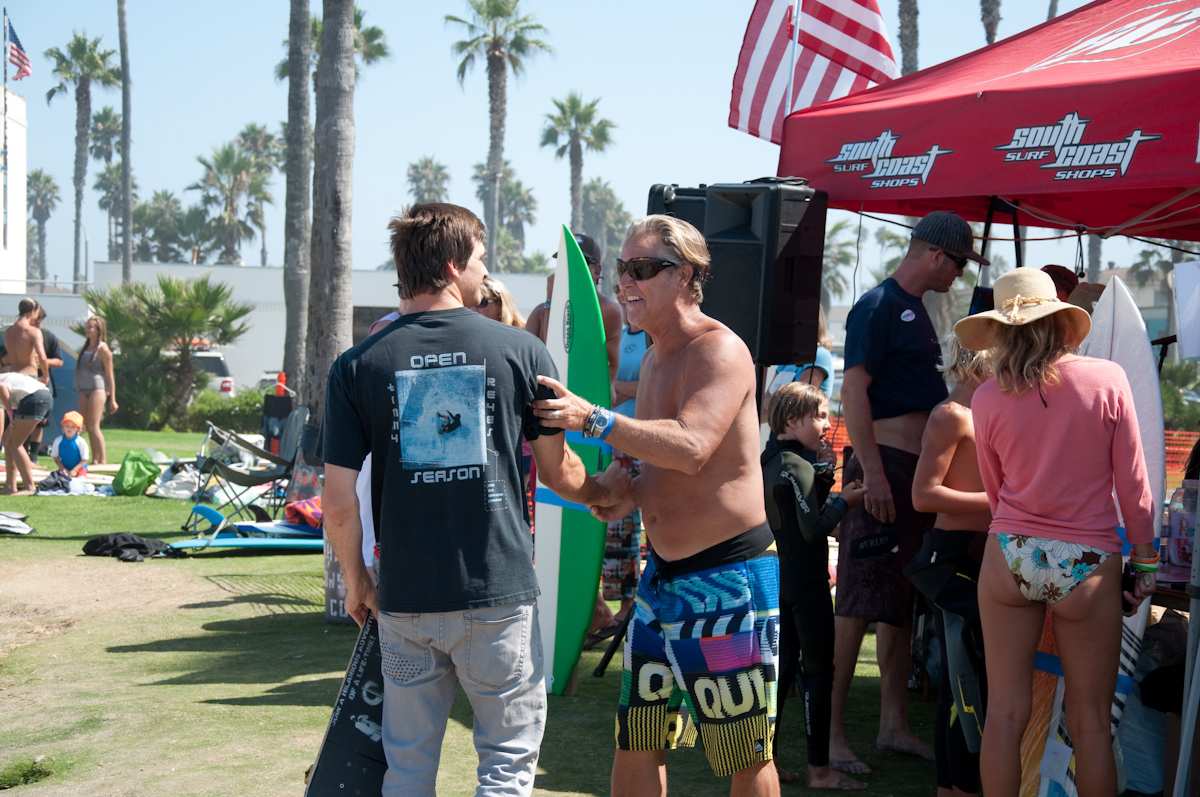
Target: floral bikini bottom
<point>1047,570</point>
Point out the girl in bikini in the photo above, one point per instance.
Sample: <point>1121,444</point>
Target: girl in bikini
<point>1057,437</point>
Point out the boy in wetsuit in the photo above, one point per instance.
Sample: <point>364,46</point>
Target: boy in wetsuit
<point>802,515</point>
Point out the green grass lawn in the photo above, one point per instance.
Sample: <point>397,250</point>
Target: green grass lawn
<point>215,674</point>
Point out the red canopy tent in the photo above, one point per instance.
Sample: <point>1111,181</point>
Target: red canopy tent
<point>1089,121</point>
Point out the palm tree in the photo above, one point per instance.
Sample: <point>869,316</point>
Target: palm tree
<point>126,145</point>
<point>106,130</point>
<point>909,36</point>
<point>573,126</point>
<point>989,12</point>
<point>156,228</point>
<point>499,35</point>
<point>195,235</point>
<point>303,46</point>
<point>606,220</point>
<point>83,64</point>
<point>41,195</point>
<point>297,238</point>
<point>257,199</point>
<point>428,180</point>
<point>147,319</point>
<point>226,181</point>
<point>838,255</point>
<point>370,46</point>
<point>1053,12</point>
<point>329,304</point>
<point>109,184</point>
<point>265,150</point>
<point>518,205</point>
<point>1153,265</point>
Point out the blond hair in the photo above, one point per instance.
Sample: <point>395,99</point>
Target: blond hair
<point>793,401</point>
<point>1024,355</point>
<point>686,244</point>
<point>965,365</point>
<point>823,338</point>
<point>494,291</point>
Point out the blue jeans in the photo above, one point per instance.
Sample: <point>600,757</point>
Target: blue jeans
<point>495,654</point>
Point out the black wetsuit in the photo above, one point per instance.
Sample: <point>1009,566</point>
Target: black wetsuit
<point>796,485</point>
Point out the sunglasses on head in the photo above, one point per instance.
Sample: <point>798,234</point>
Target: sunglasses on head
<point>484,302</point>
<point>643,268</point>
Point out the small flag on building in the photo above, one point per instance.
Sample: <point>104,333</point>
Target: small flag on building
<point>16,53</point>
<point>834,48</point>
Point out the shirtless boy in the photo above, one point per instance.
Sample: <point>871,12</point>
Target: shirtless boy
<point>706,613</point>
<point>947,482</point>
<point>25,344</point>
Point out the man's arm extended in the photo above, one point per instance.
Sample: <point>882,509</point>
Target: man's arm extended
<point>856,407</point>
<point>717,377</point>
<point>344,532</point>
<point>938,444</point>
<point>563,472</point>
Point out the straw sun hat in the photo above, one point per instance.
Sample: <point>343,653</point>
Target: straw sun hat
<point>1022,295</point>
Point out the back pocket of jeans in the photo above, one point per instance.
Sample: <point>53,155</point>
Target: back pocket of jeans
<point>498,644</point>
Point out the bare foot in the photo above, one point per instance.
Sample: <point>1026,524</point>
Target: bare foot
<point>787,775</point>
<point>830,778</point>
<point>904,743</point>
<point>843,759</point>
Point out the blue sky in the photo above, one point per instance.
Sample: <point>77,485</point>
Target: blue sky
<point>662,71</point>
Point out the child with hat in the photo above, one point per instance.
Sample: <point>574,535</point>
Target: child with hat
<point>69,450</point>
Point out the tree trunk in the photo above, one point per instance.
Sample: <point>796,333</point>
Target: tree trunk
<point>989,13</point>
<point>83,116</point>
<point>909,37</point>
<point>111,251</point>
<point>497,70</point>
<point>41,241</point>
<point>297,204</point>
<point>1053,12</point>
<point>262,233</point>
<point>126,164</point>
<point>330,308</point>
<point>576,156</point>
<point>1093,257</point>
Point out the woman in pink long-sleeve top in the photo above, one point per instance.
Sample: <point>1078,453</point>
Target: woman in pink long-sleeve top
<point>1057,437</point>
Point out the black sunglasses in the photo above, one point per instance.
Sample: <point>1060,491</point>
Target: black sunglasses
<point>960,261</point>
<point>643,268</point>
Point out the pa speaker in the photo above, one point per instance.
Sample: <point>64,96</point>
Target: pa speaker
<point>767,239</point>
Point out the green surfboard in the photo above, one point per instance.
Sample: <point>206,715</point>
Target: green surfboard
<point>568,541</point>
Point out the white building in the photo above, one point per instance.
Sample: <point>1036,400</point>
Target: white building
<point>261,348</point>
<point>12,249</point>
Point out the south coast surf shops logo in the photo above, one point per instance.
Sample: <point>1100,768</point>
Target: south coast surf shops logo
<point>1140,31</point>
<point>875,160</point>
<point>568,327</point>
<point>1062,142</point>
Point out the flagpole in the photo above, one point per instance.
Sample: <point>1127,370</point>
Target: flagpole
<point>793,34</point>
<point>5,67</point>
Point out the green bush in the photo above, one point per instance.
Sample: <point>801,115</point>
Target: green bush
<point>242,413</point>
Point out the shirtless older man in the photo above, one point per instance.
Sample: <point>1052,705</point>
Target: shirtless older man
<point>706,615</point>
<point>26,348</point>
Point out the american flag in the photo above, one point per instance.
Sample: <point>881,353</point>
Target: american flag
<point>16,53</point>
<point>842,47</point>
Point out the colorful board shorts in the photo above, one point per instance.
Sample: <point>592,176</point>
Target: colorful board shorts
<point>701,653</point>
<point>1047,570</point>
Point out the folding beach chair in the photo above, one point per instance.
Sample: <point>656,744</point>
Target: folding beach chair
<point>252,481</point>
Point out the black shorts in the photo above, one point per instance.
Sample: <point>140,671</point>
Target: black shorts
<point>34,407</point>
<point>872,555</point>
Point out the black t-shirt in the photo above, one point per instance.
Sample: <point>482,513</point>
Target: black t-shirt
<point>440,399</point>
<point>889,333</point>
